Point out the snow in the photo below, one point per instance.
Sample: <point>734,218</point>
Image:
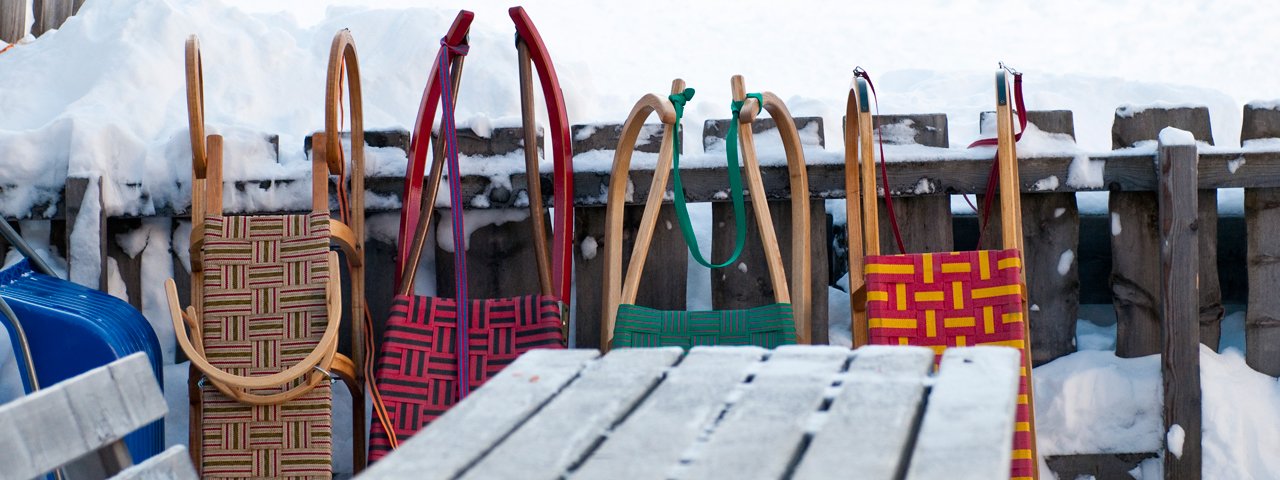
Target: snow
<point>102,98</point>
<point>589,247</point>
<point>1115,224</point>
<point>1176,136</point>
<point>1058,212</point>
<point>1233,165</point>
<point>1064,262</point>
<point>1174,439</point>
<point>1046,184</point>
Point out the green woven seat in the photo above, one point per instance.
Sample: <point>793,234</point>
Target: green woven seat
<point>768,326</point>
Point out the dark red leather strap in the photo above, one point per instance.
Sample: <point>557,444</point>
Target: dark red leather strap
<point>561,153</point>
<point>884,172</point>
<point>418,144</point>
<point>994,175</point>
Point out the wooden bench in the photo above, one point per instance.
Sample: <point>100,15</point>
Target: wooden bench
<point>78,426</point>
<point>728,412</point>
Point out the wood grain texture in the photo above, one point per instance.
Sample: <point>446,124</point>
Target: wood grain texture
<point>1051,233</point>
<point>172,464</point>
<point>745,284</point>
<point>714,131</point>
<point>1134,279</point>
<point>54,426</point>
<point>77,192</point>
<point>577,419</point>
<point>918,216</point>
<point>761,433</point>
<point>665,276</point>
<point>1179,307</point>
<point>469,429</point>
<point>968,423</point>
<point>13,20</point>
<point>673,416</point>
<point>1262,218</point>
<point>870,422</point>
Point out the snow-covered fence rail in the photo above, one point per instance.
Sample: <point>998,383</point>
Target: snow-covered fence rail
<point>923,179</point>
<point>48,15</point>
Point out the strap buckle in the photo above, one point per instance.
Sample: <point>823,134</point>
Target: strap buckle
<point>1011,70</point>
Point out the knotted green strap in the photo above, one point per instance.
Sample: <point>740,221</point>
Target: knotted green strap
<point>735,182</point>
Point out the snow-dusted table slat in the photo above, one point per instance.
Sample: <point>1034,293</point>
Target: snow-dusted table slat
<point>764,427</point>
<point>870,420</point>
<point>572,423</point>
<point>652,439</point>
<point>967,431</point>
<point>727,412</point>
<point>455,440</point>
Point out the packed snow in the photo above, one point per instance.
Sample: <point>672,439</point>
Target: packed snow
<point>103,98</point>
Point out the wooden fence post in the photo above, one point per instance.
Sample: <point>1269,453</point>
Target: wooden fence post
<point>76,191</point>
<point>1135,241</point>
<point>51,14</point>
<point>919,216</point>
<point>13,20</point>
<point>1179,306</point>
<point>1051,236</point>
<point>665,276</point>
<point>499,253</point>
<point>1262,219</point>
<point>747,284</point>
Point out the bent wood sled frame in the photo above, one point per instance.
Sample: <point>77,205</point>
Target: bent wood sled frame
<point>313,370</point>
<point>618,292</point>
<point>863,221</point>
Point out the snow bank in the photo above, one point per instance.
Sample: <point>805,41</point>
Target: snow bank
<point>1095,402</point>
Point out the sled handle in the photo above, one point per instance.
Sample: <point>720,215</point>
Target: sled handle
<point>321,356</point>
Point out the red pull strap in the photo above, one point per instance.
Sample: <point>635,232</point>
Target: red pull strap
<point>884,172</point>
<point>994,176</point>
<point>421,135</point>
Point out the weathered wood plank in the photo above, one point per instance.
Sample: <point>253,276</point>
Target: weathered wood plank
<point>746,284</point>
<point>1127,171</point>
<point>918,216</point>
<point>50,14</point>
<point>605,137</point>
<point>865,430</point>
<point>766,131</point>
<point>1135,277</point>
<point>54,426</point>
<point>1180,307</point>
<point>663,285</point>
<point>1051,237</point>
<point>77,192</point>
<point>130,268</point>
<point>470,428</point>
<point>1262,217</point>
<point>500,261</point>
<point>673,416</point>
<point>574,422</point>
<point>172,464</point>
<point>968,423</point>
<point>13,20</point>
<point>761,433</point>
<point>1101,465</point>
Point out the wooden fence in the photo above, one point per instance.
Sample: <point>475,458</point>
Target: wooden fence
<point>1150,190</point>
<point>48,15</point>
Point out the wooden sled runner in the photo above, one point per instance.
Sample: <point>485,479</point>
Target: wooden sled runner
<point>266,314</point>
<point>787,321</point>
<point>940,300</point>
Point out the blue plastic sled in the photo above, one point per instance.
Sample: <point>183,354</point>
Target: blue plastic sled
<point>71,329</point>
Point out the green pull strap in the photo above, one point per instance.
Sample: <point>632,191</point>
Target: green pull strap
<point>735,182</point>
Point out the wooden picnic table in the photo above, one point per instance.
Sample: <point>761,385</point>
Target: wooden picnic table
<point>728,412</point>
